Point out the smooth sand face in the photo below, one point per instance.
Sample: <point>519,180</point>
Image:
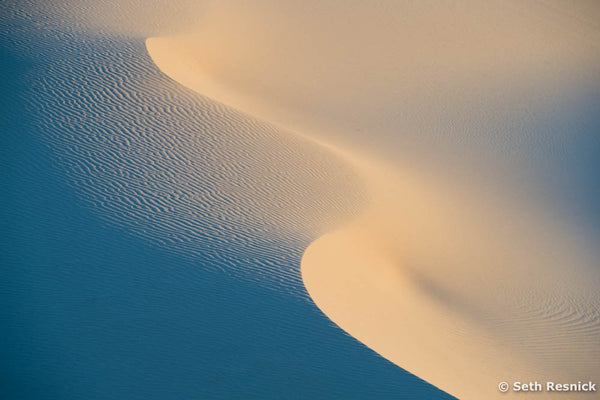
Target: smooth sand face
<point>462,284</point>
<point>462,291</point>
<point>394,75</point>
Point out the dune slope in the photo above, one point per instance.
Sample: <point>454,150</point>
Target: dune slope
<point>451,275</point>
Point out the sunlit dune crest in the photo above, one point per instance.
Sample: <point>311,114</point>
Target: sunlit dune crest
<point>462,294</point>
<point>462,288</point>
<point>415,144</point>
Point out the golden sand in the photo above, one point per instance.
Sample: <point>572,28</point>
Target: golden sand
<point>461,284</point>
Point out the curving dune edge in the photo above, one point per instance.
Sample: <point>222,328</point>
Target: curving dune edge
<point>461,287</point>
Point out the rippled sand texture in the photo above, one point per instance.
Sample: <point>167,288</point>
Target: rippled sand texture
<point>152,237</point>
<point>424,147</point>
<point>458,270</point>
<point>187,172</point>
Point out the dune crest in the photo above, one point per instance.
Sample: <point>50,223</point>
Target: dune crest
<point>450,285</point>
<point>442,276</point>
<point>459,291</point>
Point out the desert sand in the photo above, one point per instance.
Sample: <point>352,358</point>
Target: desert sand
<point>436,161</point>
<point>463,282</point>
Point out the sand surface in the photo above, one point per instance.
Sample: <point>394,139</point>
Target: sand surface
<point>439,150</point>
<point>450,271</point>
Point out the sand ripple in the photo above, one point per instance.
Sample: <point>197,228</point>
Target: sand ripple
<point>182,170</point>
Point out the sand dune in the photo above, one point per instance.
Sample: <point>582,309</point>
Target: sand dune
<point>462,284</point>
<point>188,173</point>
<point>152,236</point>
<point>418,140</point>
<point>462,294</point>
